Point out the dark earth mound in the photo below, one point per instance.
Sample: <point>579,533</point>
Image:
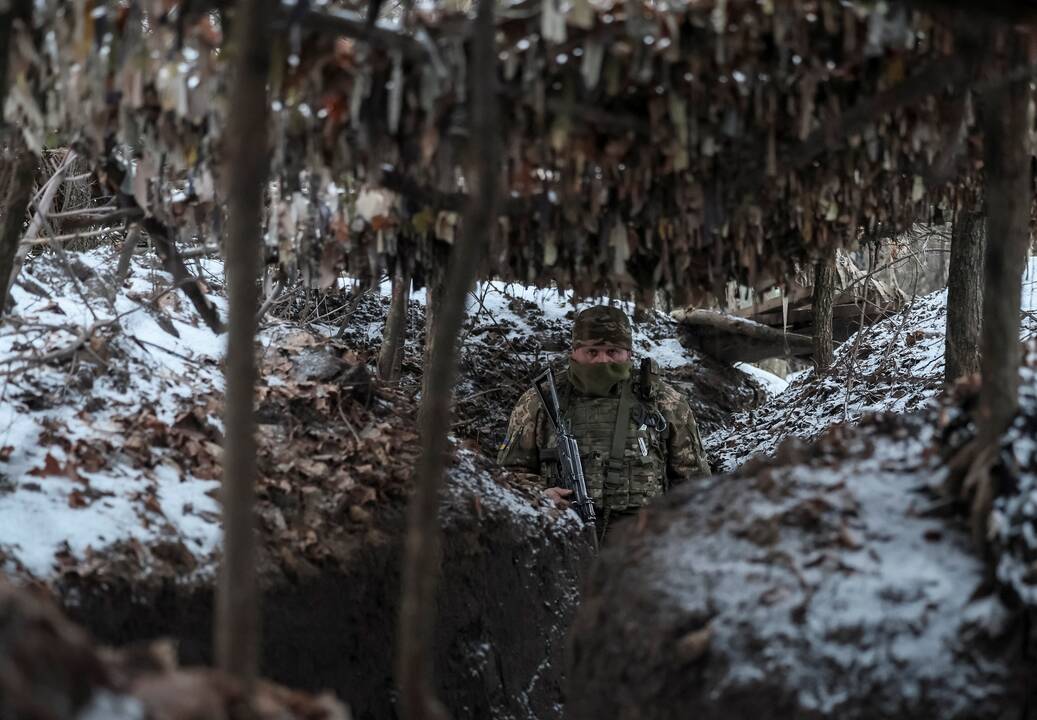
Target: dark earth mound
<point>511,569</point>
<point>823,583</point>
<point>51,670</point>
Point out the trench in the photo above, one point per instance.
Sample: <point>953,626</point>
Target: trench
<point>508,594</point>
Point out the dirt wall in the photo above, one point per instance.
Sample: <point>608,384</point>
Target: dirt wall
<point>511,573</point>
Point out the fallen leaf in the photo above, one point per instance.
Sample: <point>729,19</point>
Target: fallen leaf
<point>695,644</point>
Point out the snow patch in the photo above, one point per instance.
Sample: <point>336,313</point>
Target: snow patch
<point>895,365</point>
<point>773,384</point>
<point>153,354</point>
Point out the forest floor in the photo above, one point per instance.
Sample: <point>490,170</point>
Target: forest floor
<point>110,459</point>
<point>110,434</point>
<point>111,401</point>
<point>895,365</point>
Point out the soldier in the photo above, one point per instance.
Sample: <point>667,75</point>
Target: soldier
<point>637,435</point>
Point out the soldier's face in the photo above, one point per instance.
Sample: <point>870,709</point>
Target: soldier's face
<point>589,354</point>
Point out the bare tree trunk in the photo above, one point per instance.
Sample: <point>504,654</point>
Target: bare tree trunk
<point>391,353</point>
<point>415,670</point>
<point>1008,194</point>
<point>12,10</point>
<point>24,161</point>
<point>14,218</point>
<point>434,291</point>
<point>644,306</point>
<point>824,296</point>
<point>964,297</point>
<point>237,603</point>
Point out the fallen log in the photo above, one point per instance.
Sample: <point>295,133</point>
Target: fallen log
<point>733,339</point>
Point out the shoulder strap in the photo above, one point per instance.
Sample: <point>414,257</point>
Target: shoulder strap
<point>619,431</point>
<point>563,401</point>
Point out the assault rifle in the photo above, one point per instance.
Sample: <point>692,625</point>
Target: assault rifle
<point>569,464</point>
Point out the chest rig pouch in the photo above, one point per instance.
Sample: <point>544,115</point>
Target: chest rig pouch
<point>622,443</point>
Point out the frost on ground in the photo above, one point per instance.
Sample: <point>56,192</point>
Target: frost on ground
<point>87,368</point>
<point>513,332</point>
<point>110,431</point>
<point>110,454</point>
<point>895,366</point>
<point>821,583</point>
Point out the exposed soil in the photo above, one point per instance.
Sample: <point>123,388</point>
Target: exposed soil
<point>51,670</point>
<point>508,593</point>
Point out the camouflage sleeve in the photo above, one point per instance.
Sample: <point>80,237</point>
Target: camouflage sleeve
<point>686,458</point>
<point>519,450</point>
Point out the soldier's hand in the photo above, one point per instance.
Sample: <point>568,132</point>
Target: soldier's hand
<point>559,496</point>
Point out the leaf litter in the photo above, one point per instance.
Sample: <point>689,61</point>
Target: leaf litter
<point>110,453</point>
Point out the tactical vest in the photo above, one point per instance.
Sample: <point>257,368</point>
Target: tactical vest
<point>626,484</point>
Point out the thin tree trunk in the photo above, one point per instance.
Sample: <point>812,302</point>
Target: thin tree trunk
<point>395,329</point>
<point>14,219</point>
<point>21,187</point>
<point>644,306</point>
<point>1008,194</point>
<point>824,296</point>
<point>13,10</point>
<point>964,297</point>
<point>237,605</point>
<point>434,291</point>
<point>415,670</point>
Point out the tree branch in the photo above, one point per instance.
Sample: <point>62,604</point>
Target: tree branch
<point>175,266</point>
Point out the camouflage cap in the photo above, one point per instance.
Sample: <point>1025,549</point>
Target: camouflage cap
<point>602,325</point>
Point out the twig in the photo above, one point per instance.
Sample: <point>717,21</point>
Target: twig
<point>102,210</point>
<point>354,304</point>
<point>481,393</point>
<point>43,200</point>
<point>174,265</point>
<point>275,293</point>
<point>111,217</point>
<point>69,236</point>
<point>197,252</point>
<point>174,353</point>
<point>872,259</point>
<point>530,371</point>
<point>345,419</point>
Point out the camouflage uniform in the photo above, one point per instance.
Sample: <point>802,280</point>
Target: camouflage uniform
<point>653,458</point>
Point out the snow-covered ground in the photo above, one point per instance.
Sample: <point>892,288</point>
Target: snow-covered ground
<point>894,366</point>
<point>773,384</point>
<point>71,476</point>
<point>501,303</point>
<point>95,436</point>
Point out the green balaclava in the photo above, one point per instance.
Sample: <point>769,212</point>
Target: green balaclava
<point>597,379</point>
<point>600,325</point>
